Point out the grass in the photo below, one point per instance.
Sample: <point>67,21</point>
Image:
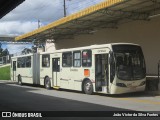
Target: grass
<point>5,73</point>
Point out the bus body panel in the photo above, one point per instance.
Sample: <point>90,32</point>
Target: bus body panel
<point>131,86</point>
<point>26,67</point>
<point>26,73</point>
<point>36,69</point>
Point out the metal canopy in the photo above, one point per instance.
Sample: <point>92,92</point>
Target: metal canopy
<point>7,38</point>
<point>7,5</point>
<point>108,14</point>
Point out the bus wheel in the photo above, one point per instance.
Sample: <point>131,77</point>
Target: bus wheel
<point>88,87</point>
<point>19,80</point>
<point>47,83</point>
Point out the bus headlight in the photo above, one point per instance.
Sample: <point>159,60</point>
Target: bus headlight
<point>142,83</point>
<point>121,85</point>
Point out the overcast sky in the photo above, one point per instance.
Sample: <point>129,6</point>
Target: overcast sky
<point>25,17</point>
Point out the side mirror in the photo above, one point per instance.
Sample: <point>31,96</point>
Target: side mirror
<point>110,57</point>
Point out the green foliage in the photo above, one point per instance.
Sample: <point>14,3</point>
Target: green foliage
<point>5,73</point>
<point>3,52</point>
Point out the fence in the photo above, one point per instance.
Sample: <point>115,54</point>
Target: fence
<point>5,60</point>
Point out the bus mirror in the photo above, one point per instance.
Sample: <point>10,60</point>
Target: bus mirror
<point>110,57</point>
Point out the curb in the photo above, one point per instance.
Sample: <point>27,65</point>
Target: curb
<point>1,66</point>
<point>6,81</point>
<point>154,93</point>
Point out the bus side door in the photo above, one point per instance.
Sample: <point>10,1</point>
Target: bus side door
<point>14,70</point>
<point>56,71</point>
<point>102,72</point>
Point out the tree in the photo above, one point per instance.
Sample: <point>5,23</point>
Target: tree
<point>26,51</point>
<point>1,50</point>
<point>5,52</point>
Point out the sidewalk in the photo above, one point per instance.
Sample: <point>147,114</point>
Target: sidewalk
<point>152,93</point>
<point>155,92</point>
<point>7,81</point>
<point>1,66</point>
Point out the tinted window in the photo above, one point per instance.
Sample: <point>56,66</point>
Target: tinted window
<point>130,63</point>
<point>24,62</point>
<point>77,59</point>
<point>56,65</point>
<point>28,61</point>
<point>87,58</point>
<point>67,59</point>
<point>45,60</point>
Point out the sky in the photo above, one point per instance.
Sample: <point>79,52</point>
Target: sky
<point>25,17</point>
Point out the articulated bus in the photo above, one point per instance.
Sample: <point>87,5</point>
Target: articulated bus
<point>108,68</point>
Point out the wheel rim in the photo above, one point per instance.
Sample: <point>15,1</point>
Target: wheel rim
<point>19,81</point>
<point>47,83</point>
<point>88,86</point>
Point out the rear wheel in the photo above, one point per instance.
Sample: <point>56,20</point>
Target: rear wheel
<point>47,83</point>
<point>88,87</point>
<point>19,80</point>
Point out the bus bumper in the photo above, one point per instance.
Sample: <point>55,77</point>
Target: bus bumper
<point>120,90</point>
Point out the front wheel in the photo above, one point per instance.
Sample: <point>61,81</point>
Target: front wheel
<point>47,83</point>
<point>88,87</point>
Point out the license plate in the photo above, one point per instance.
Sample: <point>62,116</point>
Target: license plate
<point>132,87</point>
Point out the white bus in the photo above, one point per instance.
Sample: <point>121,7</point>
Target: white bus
<point>108,68</point>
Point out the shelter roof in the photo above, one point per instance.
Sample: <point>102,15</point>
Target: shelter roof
<point>8,5</point>
<point>108,14</point>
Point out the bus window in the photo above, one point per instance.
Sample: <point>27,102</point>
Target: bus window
<point>67,59</point>
<point>19,64</point>
<point>77,59</point>
<point>87,58</point>
<point>28,61</point>
<point>132,65</point>
<point>45,60</point>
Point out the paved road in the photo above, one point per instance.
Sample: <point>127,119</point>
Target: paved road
<point>29,98</point>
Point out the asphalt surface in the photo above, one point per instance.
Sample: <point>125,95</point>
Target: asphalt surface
<point>30,98</point>
<point>18,98</point>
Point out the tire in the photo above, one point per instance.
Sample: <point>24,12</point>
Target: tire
<point>88,87</point>
<point>47,83</point>
<point>19,80</point>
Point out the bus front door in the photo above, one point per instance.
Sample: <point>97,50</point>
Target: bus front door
<point>56,71</point>
<point>14,70</point>
<point>101,72</point>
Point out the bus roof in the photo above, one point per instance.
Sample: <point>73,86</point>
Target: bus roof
<point>22,55</point>
<point>79,48</point>
<point>90,47</point>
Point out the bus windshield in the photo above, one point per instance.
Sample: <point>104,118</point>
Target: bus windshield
<point>130,63</point>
